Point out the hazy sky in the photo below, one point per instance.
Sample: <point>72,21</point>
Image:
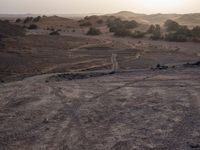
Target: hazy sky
<point>98,6</point>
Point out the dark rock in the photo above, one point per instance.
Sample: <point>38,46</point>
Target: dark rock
<point>194,145</point>
<point>195,64</point>
<point>160,67</point>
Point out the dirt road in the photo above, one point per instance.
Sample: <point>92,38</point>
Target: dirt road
<point>140,110</point>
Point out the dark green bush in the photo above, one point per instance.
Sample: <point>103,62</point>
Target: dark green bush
<point>196,31</point>
<point>138,34</point>
<point>183,30</point>
<point>9,29</point>
<point>93,31</point>
<point>100,21</point>
<point>151,29</point>
<point>28,20</point>
<point>1,42</point>
<point>37,19</point>
<point>122,32</point>
<point>121,28</point>
<point>156,34</point>
<point>176,37</point>
<point>181,34</point>
<point>196,39</point>
<point>18,20</point>
<point>33,26</point>
<point>54,33</point>
<point>171,25</point>
<point>118,24</point>
<point>85,24</point>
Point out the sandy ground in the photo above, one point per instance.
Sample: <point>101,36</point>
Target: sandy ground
<point>39,54</point>
<point>139,110</point>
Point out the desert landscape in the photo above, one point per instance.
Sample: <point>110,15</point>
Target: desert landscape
<point>115,81</point>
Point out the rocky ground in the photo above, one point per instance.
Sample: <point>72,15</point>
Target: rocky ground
<point>128,110</point>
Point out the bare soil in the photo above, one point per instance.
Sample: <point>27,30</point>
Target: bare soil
<point>40,54</point>
<point>138,110</point>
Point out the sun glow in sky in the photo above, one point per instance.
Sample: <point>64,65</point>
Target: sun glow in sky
<point>161,4</point>
<point>98,6</point>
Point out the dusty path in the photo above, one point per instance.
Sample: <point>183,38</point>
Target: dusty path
<point>139,110</point>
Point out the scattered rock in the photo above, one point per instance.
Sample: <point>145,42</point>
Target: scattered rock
<point>194,145</point>
<point>160,67</point>
<point>77,76</point>
<point>46,120</point>
<point>195,64</point>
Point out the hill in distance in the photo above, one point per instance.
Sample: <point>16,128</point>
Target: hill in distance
<point>192,19</point>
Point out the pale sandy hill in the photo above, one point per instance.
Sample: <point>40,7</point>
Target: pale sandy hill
<point>127,15</point>
<point>57,23</point>
<point>185,19</point>
<point>95,21</point>
<point>189,19</point>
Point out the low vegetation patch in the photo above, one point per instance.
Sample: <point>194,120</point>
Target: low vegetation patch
<point>138,34</point>
<point>8,29</point>
<point>77,76</point>
<point>93,31</point>
<point>179,33</point>
<point>28,20</point>
<point>33,26</point>
<point>85,24</point>
<point>54,33</point>
<point>171,25</point>
<point>155,31</point>
<point>117,25</point>
<point>36,19</point>
<point>1,41</point>
<point>100,21</point>
<point>18,20</point>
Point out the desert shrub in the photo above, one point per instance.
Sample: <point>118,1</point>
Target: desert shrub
<point>28,20</point>
<point>85,24</point>
<point>196,31</point>
<point>54,33</point>
<point>1,42</point>
<point>1,37</point>
<point>151,29</point>
<point>130,24</point>
<point>183,30</point>
<point>181,34</point>
<point>93,31</point>
<point>176,37</point>
<point>156,34</point>
<point>33,26</point>
<point>87,18</point>
<point>100,21</point>
<point>36,19</point>
<point>121,28</point>
<point>8,29</point>
<point>118,24</point>
<point>122,32</point>
<point>171,25</point>
<point>138,34</point>
<point>18,20</point>
<point>196,39</point>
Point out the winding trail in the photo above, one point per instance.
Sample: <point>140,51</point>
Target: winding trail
<point>141,109</point>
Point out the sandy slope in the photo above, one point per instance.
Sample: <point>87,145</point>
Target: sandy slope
<point>137,110</point>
